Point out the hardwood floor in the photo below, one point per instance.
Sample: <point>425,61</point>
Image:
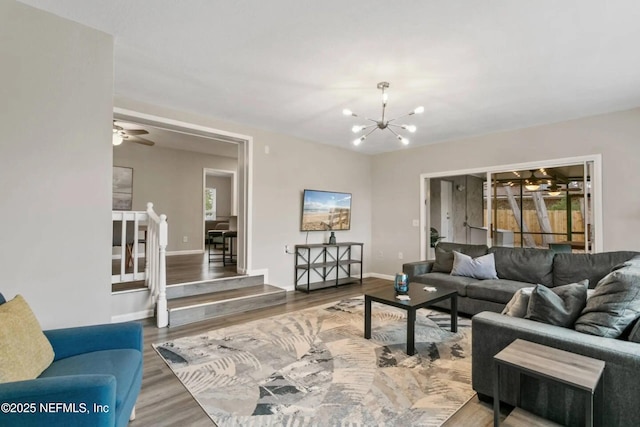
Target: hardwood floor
<point>163,400</point>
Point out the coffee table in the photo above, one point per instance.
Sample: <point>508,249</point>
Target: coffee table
<point>419,299</point>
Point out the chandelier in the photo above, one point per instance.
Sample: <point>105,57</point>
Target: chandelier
<point>382,123</point>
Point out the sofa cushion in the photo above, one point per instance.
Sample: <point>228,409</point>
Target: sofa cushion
<point>614,305</point>
<point>567,268</point>
<point>24,350</point>
<point>558,306</point>
<point>524,264</point>
<point>499,290</point>
<point>517,305</point>
<point>446,281</point>
<point>482,267</point>
<point>123,364</point>
<point>444,254</point>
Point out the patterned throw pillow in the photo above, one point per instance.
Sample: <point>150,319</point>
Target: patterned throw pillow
<point>24,350</point>
<point>517,306</point>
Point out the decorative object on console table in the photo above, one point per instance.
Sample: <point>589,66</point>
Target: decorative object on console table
<point>332,238</point>
<point>326,262</point>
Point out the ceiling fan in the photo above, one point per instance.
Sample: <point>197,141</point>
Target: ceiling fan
<point>132,135</point>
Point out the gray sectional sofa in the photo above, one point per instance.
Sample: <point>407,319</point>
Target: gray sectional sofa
<point>516,267</point>
<point>619,393</point>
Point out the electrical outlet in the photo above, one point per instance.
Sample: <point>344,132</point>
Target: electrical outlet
<point>185,239</point>
<point>286,249</point>
<point>400,255</point>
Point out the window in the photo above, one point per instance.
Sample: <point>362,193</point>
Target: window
<point>210,203</point>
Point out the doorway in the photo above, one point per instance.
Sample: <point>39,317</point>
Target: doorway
<point>526,205</point>
<point>243,175</point>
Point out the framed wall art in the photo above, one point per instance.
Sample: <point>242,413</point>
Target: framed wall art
<point>122,188</point>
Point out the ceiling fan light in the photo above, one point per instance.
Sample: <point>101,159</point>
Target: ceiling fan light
<point>357,141</point>
<point>356,129</point>
<point>419,110</point>
<point>348,112</point>
<point>410,128</point>
<point>116,139</point>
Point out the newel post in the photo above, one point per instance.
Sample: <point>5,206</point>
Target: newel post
<point>162,315</point>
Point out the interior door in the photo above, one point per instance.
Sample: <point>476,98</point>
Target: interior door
<point>446,210</point>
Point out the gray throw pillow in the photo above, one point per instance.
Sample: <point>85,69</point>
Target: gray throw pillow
<point>444,261</point>
<point>444,254</point>
<point>634,336</point>
<point>614,305</point>
<point>483,267</point>
<point>517,306</point>
<point>559,306</point>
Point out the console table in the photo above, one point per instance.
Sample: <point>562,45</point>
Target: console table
<point>326,261</point>
<point>539,361</point>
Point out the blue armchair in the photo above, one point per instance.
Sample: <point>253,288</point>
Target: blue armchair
<point>94,379</point>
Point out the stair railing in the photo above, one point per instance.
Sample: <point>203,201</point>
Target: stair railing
<point>156,266</point>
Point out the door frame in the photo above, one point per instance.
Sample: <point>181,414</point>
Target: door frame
<point>596,182</point>
<point>244,172</point>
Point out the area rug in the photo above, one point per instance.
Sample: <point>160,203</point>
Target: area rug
<point>314,368</point>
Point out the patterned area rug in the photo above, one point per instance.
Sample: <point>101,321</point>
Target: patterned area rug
<point>314,368</point>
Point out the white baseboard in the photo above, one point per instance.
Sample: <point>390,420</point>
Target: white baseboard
<point>119,318</point>
<point>380,276</point>
<point>185,252</point>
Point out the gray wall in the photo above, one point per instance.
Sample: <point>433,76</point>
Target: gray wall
<point>173,181</point>
<point>615,136</point>
<point>279,178</point>
<point>55,165</point>
<point>222,184</point>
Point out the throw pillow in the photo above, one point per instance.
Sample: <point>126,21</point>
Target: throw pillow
<point>558,306</point>
<point>483,267</point>
<point>517,306</point>
<point>634,336</point>
<point>444,254</point>
<point>443,262</point>
<point>615,303</point>
<point>24,350</point>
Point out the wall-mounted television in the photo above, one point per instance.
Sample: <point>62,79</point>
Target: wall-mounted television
<point>325,210</point>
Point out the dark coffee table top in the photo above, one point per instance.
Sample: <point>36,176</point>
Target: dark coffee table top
<point>419,297</point>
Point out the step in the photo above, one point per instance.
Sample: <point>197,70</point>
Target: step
<point>196,308</point>
<point>182,290</point>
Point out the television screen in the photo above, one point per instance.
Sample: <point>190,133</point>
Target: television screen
<point>325,210</point>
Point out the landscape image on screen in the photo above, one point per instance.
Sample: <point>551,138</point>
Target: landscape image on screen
<point>325,210</point>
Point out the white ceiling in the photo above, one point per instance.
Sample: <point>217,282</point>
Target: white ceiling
<point>291,66</point>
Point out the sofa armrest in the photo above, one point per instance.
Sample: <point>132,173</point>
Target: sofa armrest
<point>84,339</point>
<point>413,269</point>
<point>76,400</point>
